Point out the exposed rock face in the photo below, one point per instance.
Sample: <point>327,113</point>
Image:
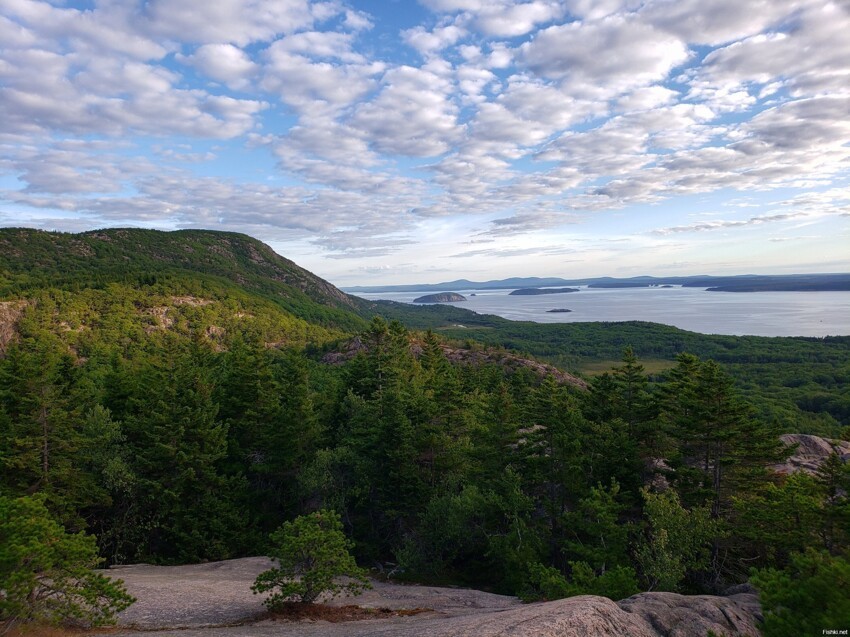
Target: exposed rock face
<point>484,356</point>
<point>10,312</point>
<point>811,452</point>
<point>511,362</point>
<point>442,297</point>
<point>198,597</point>
<point>674,615</point>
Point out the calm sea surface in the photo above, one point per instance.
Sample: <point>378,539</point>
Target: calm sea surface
<point>694,309</point>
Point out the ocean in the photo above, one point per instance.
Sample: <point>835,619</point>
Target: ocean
<point>694,309</point>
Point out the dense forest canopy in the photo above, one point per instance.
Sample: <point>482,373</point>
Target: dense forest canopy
<point>180,395</point>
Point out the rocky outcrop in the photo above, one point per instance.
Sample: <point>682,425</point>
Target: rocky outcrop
<point>209,600</point>
<point>810,452</point>
<point>484,356</point>
<point>10,313</point>
<point>674,615</point>
<point>511,362</point>
<point>442,297</point>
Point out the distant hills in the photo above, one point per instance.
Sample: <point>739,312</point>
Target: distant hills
<point>738,283</point>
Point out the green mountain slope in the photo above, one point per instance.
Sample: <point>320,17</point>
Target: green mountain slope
<point>32,260</point>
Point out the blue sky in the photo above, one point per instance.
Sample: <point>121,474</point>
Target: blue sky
<point>390,141</point>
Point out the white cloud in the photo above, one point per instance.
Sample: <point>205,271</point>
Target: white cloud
<point>809,54</point>
<point>597,9</point>
<point>646,98</point>
<point>14,35</point>
<point>89,73</point>
<point>704,226</point>
<point>223,63</point>
<point>309,86</point>
<point>110,29</point>
<point>319,44</point>
<point>428,42</point>
<point>500,18</point>
<point>411,116</point>
<point>516,19</point>
<point>238,22</point>
<point>715,22</point>
<point>603,59</point>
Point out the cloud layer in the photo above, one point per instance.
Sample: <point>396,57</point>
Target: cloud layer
<point>527,123</point>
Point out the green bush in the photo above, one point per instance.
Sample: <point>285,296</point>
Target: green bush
<point>46,574</point>
<point>548,583</point>
<point>677,540</point>
<point>808,597</point>
<point>311,551</point>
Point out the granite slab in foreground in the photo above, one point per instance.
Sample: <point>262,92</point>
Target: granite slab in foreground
<point>215,600</point>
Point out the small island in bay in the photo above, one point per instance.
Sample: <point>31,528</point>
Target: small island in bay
<point>559,309</point>
<point>536,291</point>
<point>442,297</point>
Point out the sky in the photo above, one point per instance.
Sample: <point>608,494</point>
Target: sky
<point>390,141</point>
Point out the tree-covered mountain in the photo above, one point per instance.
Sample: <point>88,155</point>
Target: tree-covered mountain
<point>34,259</point>
<point>180,395</point>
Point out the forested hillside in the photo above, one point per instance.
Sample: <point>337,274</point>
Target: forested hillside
<point>800,383</point>
<point>180,395</point>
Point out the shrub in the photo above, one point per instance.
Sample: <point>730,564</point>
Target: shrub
<point>807,598</point>
<point>46,574</point>
<point>311,552</point>
<point>548,583</point>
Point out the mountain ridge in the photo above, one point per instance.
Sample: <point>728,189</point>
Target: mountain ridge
<point>33,259</point>
<point>735,283</point>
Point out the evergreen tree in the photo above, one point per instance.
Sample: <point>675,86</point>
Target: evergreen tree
<point>186,508</point>
<point>596,532</point>
<point>551,444</point>
<point>39,427</point>
<point>722,446</point>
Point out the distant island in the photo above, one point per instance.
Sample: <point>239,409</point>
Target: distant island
<point>560,309</point>
<point>442,297</point>
<point>536,291</point>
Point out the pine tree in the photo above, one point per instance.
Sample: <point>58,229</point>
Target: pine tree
<point>186,507</point>
<point>722,446</point>
<point>39,429</point>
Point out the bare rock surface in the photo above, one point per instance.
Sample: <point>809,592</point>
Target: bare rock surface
<point>214,600</point>
<point>674,615</point>
<point>810,452</point>
<point>215,593</point>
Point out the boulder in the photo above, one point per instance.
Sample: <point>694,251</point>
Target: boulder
<point>810,452</point>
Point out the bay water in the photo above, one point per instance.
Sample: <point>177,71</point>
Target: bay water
<point>694,309</point>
